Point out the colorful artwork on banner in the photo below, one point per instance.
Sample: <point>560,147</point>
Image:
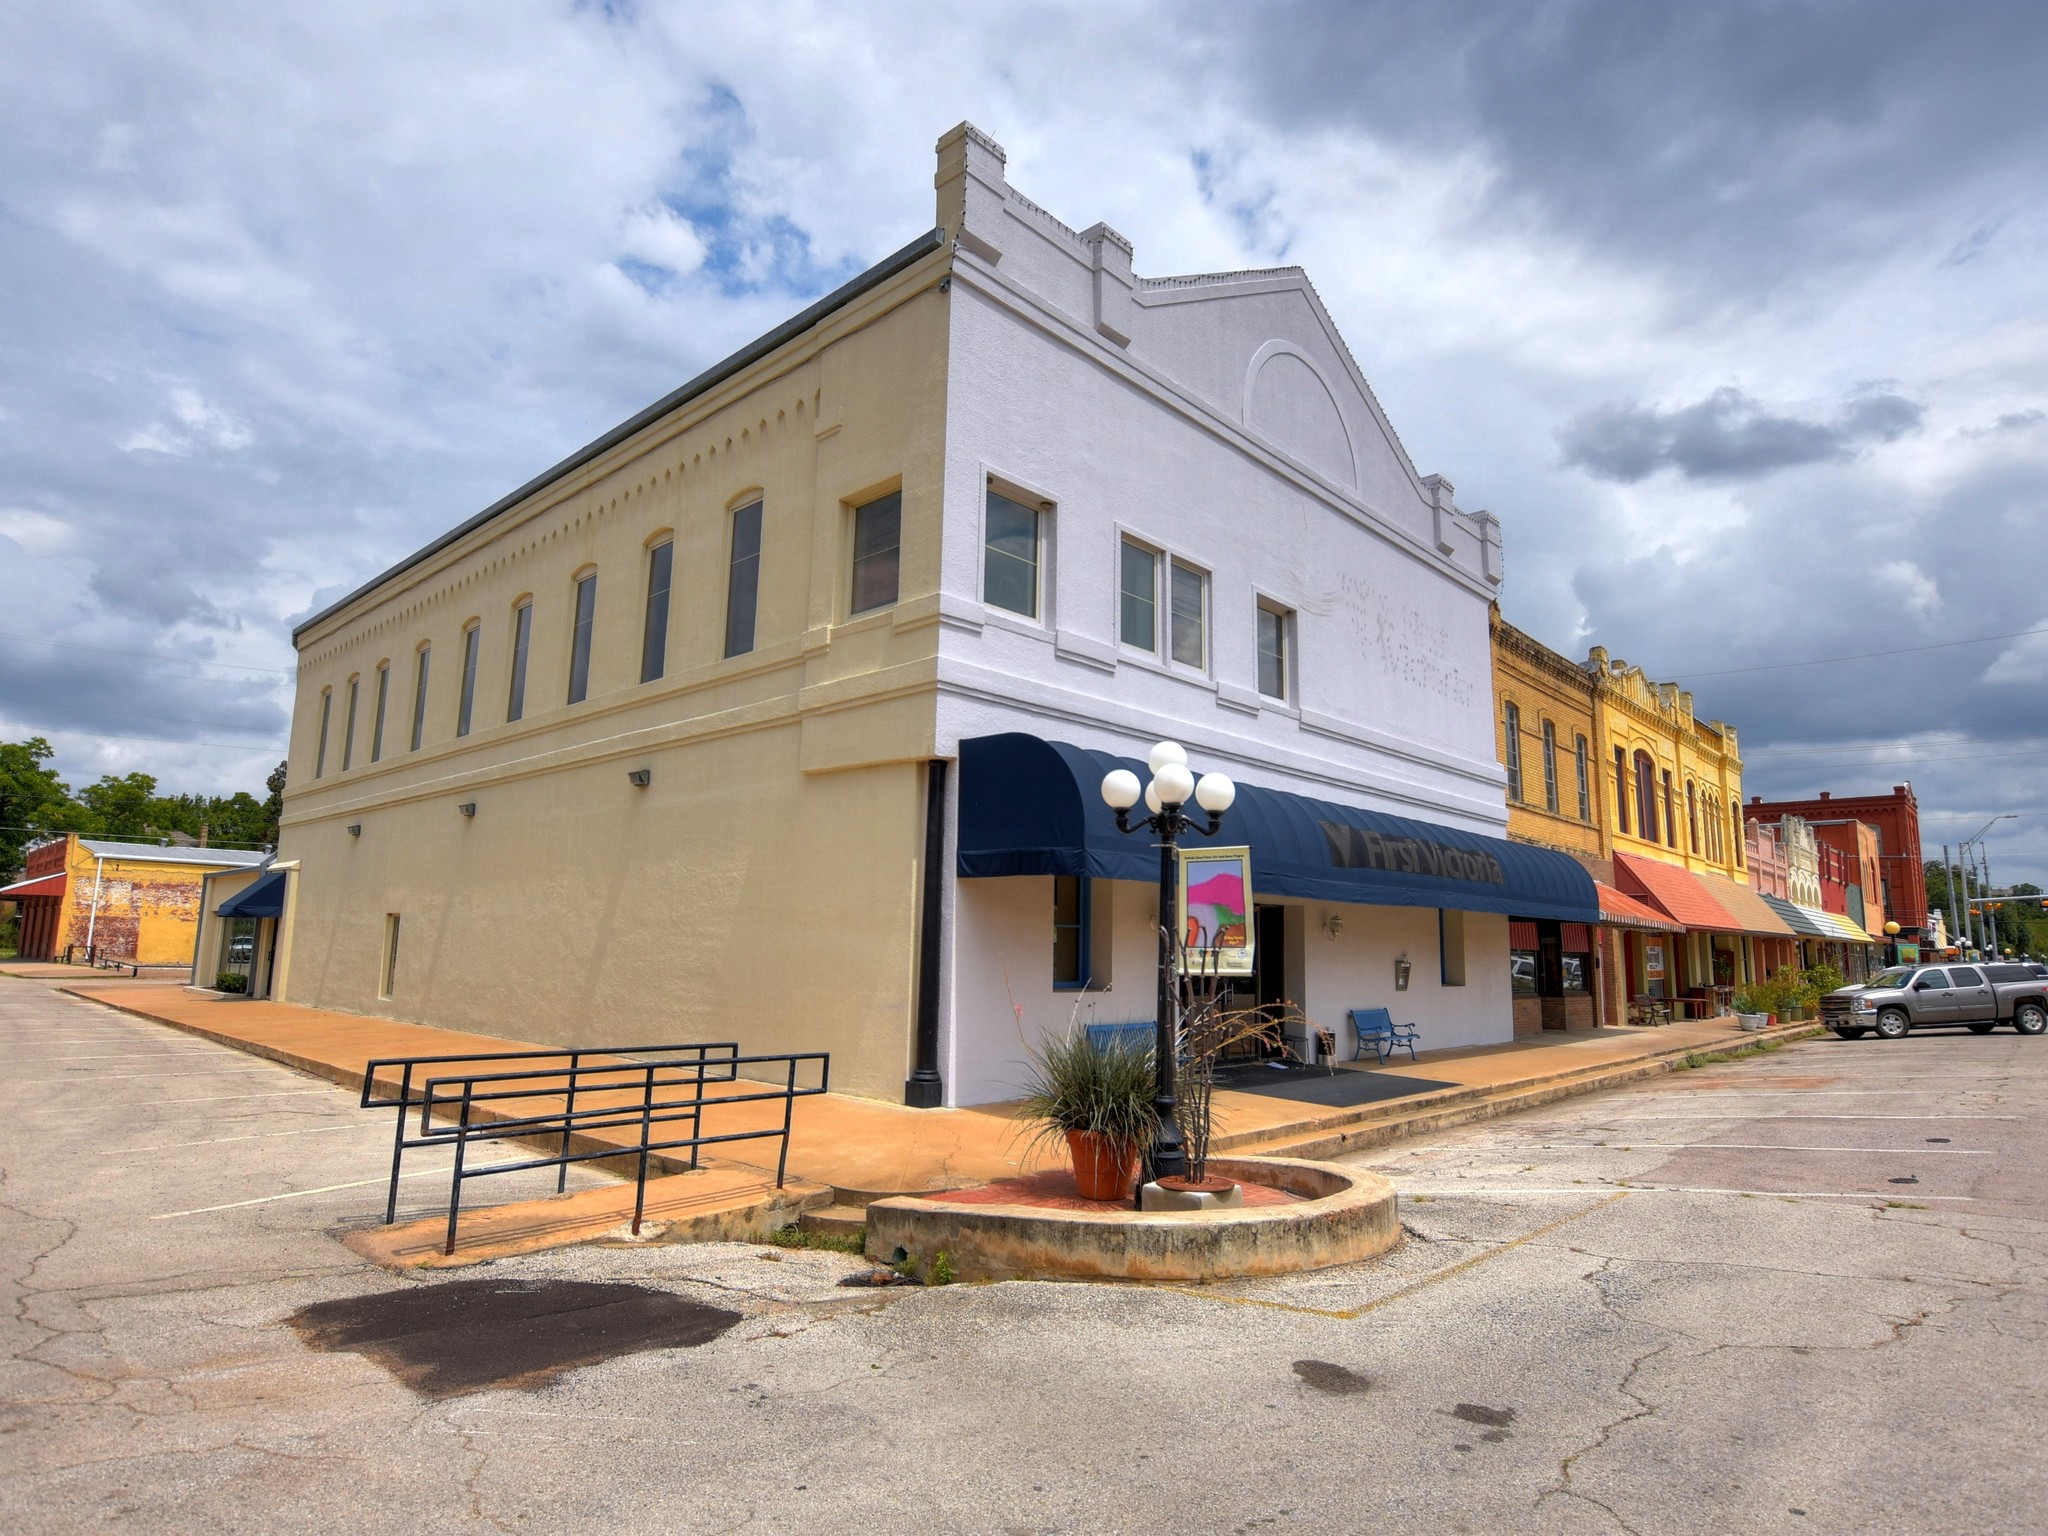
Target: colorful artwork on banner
<point>1215,910</point>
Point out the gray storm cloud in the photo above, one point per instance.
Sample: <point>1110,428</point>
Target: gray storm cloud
<point>1727,436</point>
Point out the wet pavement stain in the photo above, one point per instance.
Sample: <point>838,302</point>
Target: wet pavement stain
<point>470,1335</point>
<point>1338,1380</point>
<point>1491,1418</point>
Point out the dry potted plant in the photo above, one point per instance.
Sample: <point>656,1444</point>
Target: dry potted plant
<point>1210,1031</point>
<point>1098,1099</point>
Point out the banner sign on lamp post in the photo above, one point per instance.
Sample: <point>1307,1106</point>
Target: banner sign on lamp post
<point>1216,911</point>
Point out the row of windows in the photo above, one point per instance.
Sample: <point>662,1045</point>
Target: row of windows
<point>1650,787</point>
<point>1552,796</point>
<point>1014,543</point>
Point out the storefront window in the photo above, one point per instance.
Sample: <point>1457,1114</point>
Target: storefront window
<point>1522,964</point>
<point>1578,970</point>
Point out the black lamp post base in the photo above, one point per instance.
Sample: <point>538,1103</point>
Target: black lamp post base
<point>924,1093</point>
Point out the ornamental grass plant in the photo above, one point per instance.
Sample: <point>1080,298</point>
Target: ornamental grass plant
<point>1073,1084</point>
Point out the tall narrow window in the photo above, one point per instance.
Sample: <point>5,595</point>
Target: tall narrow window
<point>1009,560</point>
<point>1620,789</point>
<point>1190,616</point>
<point>377,723</point>
<point>1585,780</point>
<point>387,977</point>
<point>654,632</point>
<point>1646,798</point>
<point>743,580</point>
<point>1138,586</point>
<point>419,698</point>
<point>1549,767</point>
<point>522,637</point>
<point>1670,821</point>
<point>465,700</point>
<point>1692,815</point>
<point>1070,918</point>
<point>1511,734</point>
<point>1273,651</point>
<point>348,729</point>
<point>877,552</point>
<point>579,638</point>
<point>1735,821</point>
<point>320,753</point>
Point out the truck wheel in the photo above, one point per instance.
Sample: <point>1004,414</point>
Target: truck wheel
<point>1982,1029</point>
<point>1892,1024</point>
<point>2030,1018</point>
<point>1851,1034</point>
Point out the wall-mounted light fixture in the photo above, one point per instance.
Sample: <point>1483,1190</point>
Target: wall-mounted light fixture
<point>354,829</point>
<point>1402,971</point>
<point>468,807</point>
<point>640,778</point>
<point>1334,924</point>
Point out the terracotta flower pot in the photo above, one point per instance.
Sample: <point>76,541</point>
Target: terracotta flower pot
<point>1103,1169</point>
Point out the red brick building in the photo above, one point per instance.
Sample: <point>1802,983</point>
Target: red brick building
<point>1896,816</point>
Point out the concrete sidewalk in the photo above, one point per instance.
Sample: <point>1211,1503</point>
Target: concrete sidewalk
<point>865,1149</point>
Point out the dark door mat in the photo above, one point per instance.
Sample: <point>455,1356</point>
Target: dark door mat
<point>1318,1085</point>
<point>466,1335</point>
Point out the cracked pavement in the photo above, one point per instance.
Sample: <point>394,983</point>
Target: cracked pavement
<point>1803,1292</point>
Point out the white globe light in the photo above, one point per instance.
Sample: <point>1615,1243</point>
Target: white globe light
<point>1152,802</point>
<point>1120,789</point>
<point>1215,793</point>
<point>1166,752</point>
<point>1175,784</point>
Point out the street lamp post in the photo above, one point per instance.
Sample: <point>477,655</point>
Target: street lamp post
<point>1171,787</point>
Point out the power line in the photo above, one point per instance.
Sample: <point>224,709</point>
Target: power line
<point>1904,650</point>
<point>169,741</point>
<point>104,650</point>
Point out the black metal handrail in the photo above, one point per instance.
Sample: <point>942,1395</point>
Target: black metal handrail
<point>407,1099</point>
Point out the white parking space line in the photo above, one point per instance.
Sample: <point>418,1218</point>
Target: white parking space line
<point>1723,1146</point>
<point>1738,1115</point>
<point>116,1077</point>
<point>1440,1192</point>
<point>218,1098</point>
<point>172,1146</point>
<point>301,1194</point>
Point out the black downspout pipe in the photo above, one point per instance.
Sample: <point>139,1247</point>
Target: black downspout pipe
<point>924,1090</point>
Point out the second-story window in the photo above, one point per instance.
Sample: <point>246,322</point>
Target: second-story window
<point>522,638</point>
<point>1735,813</point>
<point>654,633</point>
<point>1511,734</point>
<point>419,697</point>
<point>465,699</point>
<point>1646,798</point>
<point>348,728</point>
<point>877,552</point>
<point>1138,593</point>
<point>1585,780</point>
<point>320,753</point>
<point>1692,816</point>
<point>377,722</point>
<point>1670,821</point>
<point>743,580</point>
<point>1010,556</point>
<point>1549,767</point>
<point>1190,603</point>
<point>1620,789</point>
<point>1274,624</point>
<point>579,638</point>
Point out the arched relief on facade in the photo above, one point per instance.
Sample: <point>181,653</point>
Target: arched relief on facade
<point>1289,403</point>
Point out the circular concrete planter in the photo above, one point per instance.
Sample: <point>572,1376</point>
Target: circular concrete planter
<point>1343,1215</point>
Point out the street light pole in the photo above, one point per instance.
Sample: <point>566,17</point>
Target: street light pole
<point>1171,787</point>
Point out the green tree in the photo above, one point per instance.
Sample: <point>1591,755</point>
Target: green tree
<point>125,807</point>
<point>30,795</point>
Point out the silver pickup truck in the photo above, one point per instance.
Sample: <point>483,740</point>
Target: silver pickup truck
<point>1909,997</point>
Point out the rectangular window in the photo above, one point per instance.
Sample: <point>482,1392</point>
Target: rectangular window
<point>877,552</point>
<point>387,978</point>
<point>1692,817</point>
<point>743,580</point>
<point>1620,790</point>
<point>1511,734</point>
<point>348,730</point>
<point>1522,971</point>
<point>1585,781</point>
<point>1670,822</point>
<point>419,698</point>
<point>1190,616</point>
<point>1450,940</point>
<point>1549,767</point>
<point>1273,626</point>
<point>579,638</point>
<point>320,753</point>
<point>377,725</point>
<point>522,636</point>
<point>465,703</point>
<point>1009,562</point>
<point>1070,931</point>
<point>1138,584</point>
<point>654,635</point>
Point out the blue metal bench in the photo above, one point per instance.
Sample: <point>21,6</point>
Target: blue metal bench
<point>1376,1027</point>
<point>1136,1037</point>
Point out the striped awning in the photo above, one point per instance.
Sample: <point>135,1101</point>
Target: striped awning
<point>1813,923</point>
<point>1620,911</point>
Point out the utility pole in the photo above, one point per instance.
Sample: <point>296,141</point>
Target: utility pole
<point>1948,878</point>
<point>1990,915</point>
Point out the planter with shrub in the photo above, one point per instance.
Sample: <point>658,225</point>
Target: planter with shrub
<point>231,981</point>
<point>1097,1099</point>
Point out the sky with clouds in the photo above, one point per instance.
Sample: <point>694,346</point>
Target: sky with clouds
<point>1735,315</point>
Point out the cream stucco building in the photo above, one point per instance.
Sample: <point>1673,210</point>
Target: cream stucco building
<point>774,714</point>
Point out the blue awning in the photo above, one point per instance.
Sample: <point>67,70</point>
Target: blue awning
<point>1032,807</point>
<point>263,899</point>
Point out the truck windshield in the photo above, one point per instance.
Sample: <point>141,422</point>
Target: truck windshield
<point>1897,976</point>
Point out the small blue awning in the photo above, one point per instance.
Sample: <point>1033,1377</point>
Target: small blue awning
<point>1032,807</point>
<point>263,899</point>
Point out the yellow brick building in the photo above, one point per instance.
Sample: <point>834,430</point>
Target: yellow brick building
<point>132,902</point>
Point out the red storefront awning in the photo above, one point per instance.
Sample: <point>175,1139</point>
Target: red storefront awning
<point>1619,911</point>
<point>1675,892</point>
<point>42,885</point>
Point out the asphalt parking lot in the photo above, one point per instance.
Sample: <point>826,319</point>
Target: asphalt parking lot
<point>1803,1292</point>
